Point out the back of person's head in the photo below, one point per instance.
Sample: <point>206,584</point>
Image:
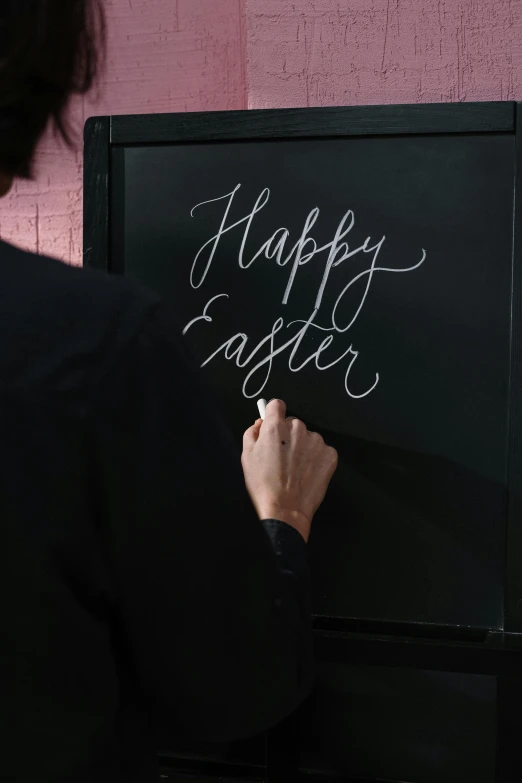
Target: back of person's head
<point>49,51</point>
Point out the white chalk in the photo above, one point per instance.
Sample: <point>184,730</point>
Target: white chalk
<point>261,405</point>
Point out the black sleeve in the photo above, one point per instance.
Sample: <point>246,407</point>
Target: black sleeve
<point>213,606</point>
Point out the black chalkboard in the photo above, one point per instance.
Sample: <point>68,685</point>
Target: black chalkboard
<point>397,337</point>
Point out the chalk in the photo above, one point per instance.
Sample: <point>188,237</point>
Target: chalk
<point>261,405</point>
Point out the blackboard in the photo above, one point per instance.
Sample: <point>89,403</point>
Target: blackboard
<point>397,338</point>
<point>401,246</point>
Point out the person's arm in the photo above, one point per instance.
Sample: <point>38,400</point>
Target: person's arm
<point>213,611</point>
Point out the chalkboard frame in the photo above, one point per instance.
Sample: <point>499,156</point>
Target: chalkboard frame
<point>499,654</point>
<point>103,134</point>
<point>413,119</point>
<point>513,599</point>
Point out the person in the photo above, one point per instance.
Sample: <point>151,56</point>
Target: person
<point>145,580</point>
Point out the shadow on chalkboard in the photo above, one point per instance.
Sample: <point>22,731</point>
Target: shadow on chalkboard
<point>404,536</point>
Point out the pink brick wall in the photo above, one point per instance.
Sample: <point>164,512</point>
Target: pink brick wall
<point>338,52</point>
<point>164,55</point>
<point>184,55</point>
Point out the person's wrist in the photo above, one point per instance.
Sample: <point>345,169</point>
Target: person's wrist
<point>292,517</point>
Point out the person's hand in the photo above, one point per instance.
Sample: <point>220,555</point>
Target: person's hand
<point>287,469</point>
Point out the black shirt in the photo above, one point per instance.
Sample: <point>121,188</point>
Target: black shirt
<point>138,589</point>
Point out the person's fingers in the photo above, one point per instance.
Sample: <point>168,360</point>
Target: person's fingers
<point>275,412</point>
<point>316,439</point>
<point>297,428</point>
<point>252,434</point>
<point>332,458</point>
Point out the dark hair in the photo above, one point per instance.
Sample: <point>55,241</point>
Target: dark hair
<point>49,50</point>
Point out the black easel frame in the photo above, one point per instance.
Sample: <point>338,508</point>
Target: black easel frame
<point>498,654</point>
